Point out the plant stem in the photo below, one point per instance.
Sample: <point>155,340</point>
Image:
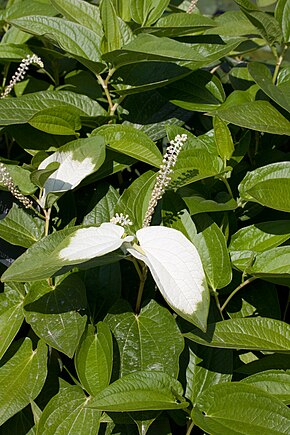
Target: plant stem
<point>242,285</point>
<point>215,294</point>
<point>141,288</point>
<point>190,427</point>
<point>225,181</point>
<point>47,218</point>
<point>105,86</point>
<point>279,60</point>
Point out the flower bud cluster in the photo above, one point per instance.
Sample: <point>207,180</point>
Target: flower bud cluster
<point>6,180</point>
<point>21,71</point>
<point>192,6</point>
<point>120,219</point>
<point>164,175</point>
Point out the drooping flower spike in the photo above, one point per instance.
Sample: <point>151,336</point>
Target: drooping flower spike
<point>21,71</point>
<point>6,180</point>
<point>164,175</point>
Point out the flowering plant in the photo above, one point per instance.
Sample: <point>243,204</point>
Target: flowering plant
<point>144,232</point>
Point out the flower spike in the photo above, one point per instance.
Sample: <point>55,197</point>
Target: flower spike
<point>6,180</point>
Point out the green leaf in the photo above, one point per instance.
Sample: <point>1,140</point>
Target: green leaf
<point>53,312</point>
<point>135,199</point>
<point>94,359</point>
<point>81,12</point>
<point>22,378</point>
<point>104,202</point>
<point>73,38</point>
<point>256,115</point>
<point>265,23</point>
<point>206,366</point>
<point>57,121</point>
<point>112,35</point>
<point>77,159</point>
<point>262,76</point>
<point>261,236</point>
<point>275,382</point>
<point>130,141</point>
<point>236,408</point>
<point>197,203</point>
<point>268,185</point>
<point>20,228</point>
<point>223,138</point>
<point>274,262</point>
<point>150,47</point>
<point>150,340</point>
<point>200,91</point>
<point>253,333</point>
<point>21,179</point>
<point>181,24</point>
<point>211,245</point>
<point>67,412</point>
<point>146,12</point>
<point>140,391</point>
<point>20,110</point>
<point>13,52</point>
<point>282,15</point>
<point>177,270</point>
<point>19,9</point>
<point>11,314</point>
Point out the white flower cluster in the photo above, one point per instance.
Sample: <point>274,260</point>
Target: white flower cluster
<point>21,71</point>
<point>6,180</point>
<point>120,219</point>
<point>164,175</point>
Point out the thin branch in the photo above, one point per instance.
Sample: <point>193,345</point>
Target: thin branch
<point>190,427</point>
<point>242,285</point>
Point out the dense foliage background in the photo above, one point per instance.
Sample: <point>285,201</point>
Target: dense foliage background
<point>88,344</point>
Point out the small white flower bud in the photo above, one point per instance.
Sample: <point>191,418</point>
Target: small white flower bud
<point>120,219</point>
<point>6,180</point>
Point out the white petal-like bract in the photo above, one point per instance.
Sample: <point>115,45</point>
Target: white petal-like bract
<point>177,270</point>
<point>87,243</point>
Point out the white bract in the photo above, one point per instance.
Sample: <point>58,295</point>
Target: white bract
<point>68,175</point>
<point>177,270</point>
<point>87,243</point>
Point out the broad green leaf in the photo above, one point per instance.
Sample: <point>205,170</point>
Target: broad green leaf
<point>94,359</point>
<point>28,7</point>
<point>177,270</point>
<point>73,38</point>
<point>11,314</point>
<point>233,23</point>
<point>261,236</point>
<point>112,36</point>
<point>13,53</point>
<point>267,25</point>
<point>212,248</point>
<point>262,76</point>
<point>200,91</point>
<point>282,15</point>
<point>67,413</point>
<point>22,378</point>
<point>123,9</point>
<point>197,203</point>
<point>57,121</point>
<point>150,47</point>
<point>20,110</point>
<point>275,382</point>
<point>193,165</point>
<point>253,333</point>
<point>103,204</point>
<point>53,313</point>
<point>143,76</point>
<point>32,265</point>
<point>21,179</point>
<point>146,12</point>
<point>21,228</point>
<point>223,138</point>
<point>135,199</point>
<point>150,340</point>
<point>268,185</point>
<point>235,408</point>
<point>274,262</point>
<point>256,115</point>
<point>130,141</point>
<point>81,12</point>
<point>77,159</point>
<point>206,367</point>
<point>140,391</point>
<point>181,24</point>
